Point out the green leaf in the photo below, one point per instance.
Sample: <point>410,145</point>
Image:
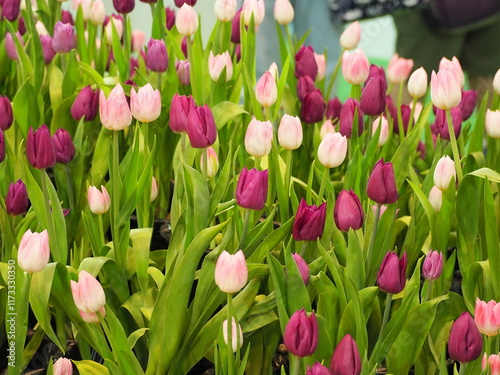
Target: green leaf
<point>87,367</point>
<point>487,173</point>
<point>491,241</point>
<point>72,75</point>
<point>296,290</point>
<point>25,108</point>
<point>226,111</point>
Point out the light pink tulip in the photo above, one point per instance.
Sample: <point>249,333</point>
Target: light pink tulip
<point>114,111</point>
<point>398,69</point>
<point>225,10</point>
<point>186,20</point>
<point>433,265</point>
<point>436,198</point>
<point>273,69</point>
<point>217,63</point>
<point>146,103</point>
<point>212,163</point>
<point>455,66</point>
<point>496,82</point>
<point>355,67</point>
<point>182,67</point>
<point>86,8</point>
<point>290,132</point>
<point>445,89</point>
<point>266,90</point>
<point>351,36</point>
<point>255,7</point>
<point>332,150</point>
<point>444,173</point>
<point>98,202</point>
<point>231,272</point>
<point>63,366</point>
<point>34,251</point>
<point>90,317</point>
<point>97,13</point>
<point>486,316</point>
<point>492,123</point>
<point>108,29</point>
<point>327,127</point>
<point>321,63</point>
<point>154,189</point>
<point>88,293</point>
<point>138,38</point>
<point>417,83</point>
<point>492,362</point>
<point>258,138</point>
<point>283,12</point>
<point>236,334</point>
<point>384,130</point>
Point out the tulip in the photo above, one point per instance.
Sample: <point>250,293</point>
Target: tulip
<point>231,272</point>
<point>381,186</point>
<point>98,202</point>
<point>347,117</point>
<point>399,69</point>
<point>318,369</point>
<point>348,212</point>
<point>380,209</point>
<point>384,130</point>
<point>21,26</point>
<point>179,112</point>
<point>372,102</point>
<point>301,334</point>
<point>465,343</point>
<point>154,190</point>
<point>440,125</point>
<point>487,317</point>
<point>216,64</point>
<point>305,85</point>
<point>124,6</point>
<point>273,69</point>
<point>86,104</point>
<point>225,10</point>
<point>445,89</point>
<point>309,222</point>
<point>305,63</point>
<point>302,267</point>
<point>157,57</point>
<point>455,66</point>
<point>258,138</point>
<point>88,294</point>
<point>97,13</point>
<point>266,90</point>
<point>326,128</point>
<point>138,38</point>
<point>40,28</point>
<point>492,362</point>
<point>145,105</point>
<point>417,83</point>
<point>182,67</point>
<point>492,123</point>
<point>10,47</point>
<point>212,164</point>
<point>170,17</point>
<point>433,265</point>
<point>283,12</point>
<point>313,107</point>
<point>63,146</point>
<point>86,6</point>
<point>468,103</point>
<point>64,39</point>
<point>405,114</point>
<point>10,9</point>
<point>333,109</point>
<point>290,132</point>
<point>346,359</point>
<point>496,82</point>
<point>7,118</point>
<point>89,317</point>
<point>391,276</point>
<point>114,111</point>
<point>180,3</point>
<point>436,198</point>
<point>332,150</point>
<point>235,27</point>
<point>186,20</point>
<point>444,173</point>
<point>255,8</point>
<point>355,67</point>
<point>48,50</point>
<point>236,334</point>
<point>184,47</point>
<point>251,191</point>
<point>117,21</point>
<point>351,36</point>
<point>34,251</point>
<point>16,200</point>
<point>63,366</point>
<point>40,148</point>
<point>321,63</point>
<point>201,127</point>
<point>67,18</point>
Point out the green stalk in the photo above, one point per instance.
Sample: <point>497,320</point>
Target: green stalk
<point>387,311</point>
<point>454,147</point>
<point>303,248</point>
<point>290,41</point>
<point>462,368</point>
<point>324,180</point>
<point>244,232</point>
<point>71,195</point>
<point>288,179</point>
<point>429,291</point>
<point>56,254</point>
<point>412,114</point>
<point>400,116</point>
<point>295,365</point>
<point>373,236</point>
<point>101,232</point>
<point>334,75</point>
<point>230,355</point>
<point>20,320</point>
<point>91,44</point>
<point>115,199</point>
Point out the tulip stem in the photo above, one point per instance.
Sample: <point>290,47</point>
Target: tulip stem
<point>71,196</point>
<point>204,157</point>
<point>56,254</point>
<point>21,317</point>
<point>230,355</point>
<point>290,41</point>
<point>295,370</point>
<point>412,114</point>
<point>288,178</point>
<point>334,75</point>
<point>454,147</point>
<point>429,290</point>
<point>115,199</point>
<point>462,368</point>
<point>244,232</point>
<point>373,236</point>
<point>324,180</point>
<point>303,248</point>
<point>101,232</point>
<point>400,116</point>
<point>387,311</point>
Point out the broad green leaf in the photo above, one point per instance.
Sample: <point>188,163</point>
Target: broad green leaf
<point>87,367</point>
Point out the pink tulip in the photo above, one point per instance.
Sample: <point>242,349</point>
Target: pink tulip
<point>146,103</point>
<point>417,83</point>
<point>225,10</point>
<point>455,66</point>
<point>444,173</point>
<point>236,334</point>
<point>154,190</point>
<point>186,20</point>
<point>33,252</point>
<point>201,128</point>
<point>283,12</point>
<point>182,67</point>
<point>251,191</point>
<point>355,67</point>
<point>266,90</point>
<point>487,317</point>
<point>88,293</point>
<point>399,69</point>
<point>332,150</point>
<point>63,366</point>
<point>433,265</point>
<point>255,7</point>
<point>98,202</point>
<point>302,266</point>
<point>138,38</point>
<point>493,363</point>
<point>492,123</point>
<point>258,138</point>
<point>321,63</point>
<point>216,65</point>
<point>114,111</point>
<point>108,27</point>
<point>231,272</point>
<point>212,164</point>
<point>327,127</point>
<point>436,198</point>
<point>301,334</point>
<point>180,107</point>
<point>290,132</point>
<point>351,36</point>
<point>445,89</point>
<point>97,13</point>
<point>384,130</point>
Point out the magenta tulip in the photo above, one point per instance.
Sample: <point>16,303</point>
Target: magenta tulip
<point>301,334</point>
<point>201,127</point>
<point>16,200</point>
<point>348,212</point>
<point>381,186</point>
<point>391,276</point>
<point>251,191</point>
<point>309,222</point>
<point>40,148</point>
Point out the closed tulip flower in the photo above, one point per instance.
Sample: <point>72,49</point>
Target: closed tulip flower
<point>98,201</point>
<point>138,38</point>
<point>180,107</point>
<point>157,57</point>
<point>7,118</point>
<point>154,190</point>
<point>114,111</point>
<point>318,369</point>
<point>468,103</point>
<point>67,18</point>
<point>301,334</point>
<point>258,138</point>
<point>283,12</point>
<point>48,50</point>
<point>40,148</point>
<point>492,363</point>
<point>86,104</point>
<point>313,107</point>
<point>326,128</point>
<point>145,104</point>
<point>97,13</point>
<point>355,67</point>
<point>391,276</point>
<point>445,89</point>
<point>117,21</point>
<point>433,265</point>
<point>348,212</point>
<point>236,334</point>
<point>381,186</point>
<point>290,132</point>
<point>231,272</point>
<point>455,66</point>
<point>333,109</point>
<point>487,317</point>
<point>86,6</point>
<point>444,173</point>
<point>405,114</point>
<point>10,9</point>
<point>88,293</point>
<point>321,63</point>
<point>417,83</point>
<point>216,65</point>
<point>34,252</point>
<point>347,117</point>
<point>10,47</point>
<point>124,6</point>
<point>346,359</point>
<point>305,85</point>
<point>440,125</point>
<point>64,39</point>
<point>63,366</point>
<point>235,27</point>
<point>182,67</point>
<point>186,20</point>
<point>16,200</point>
<point>251,191</point>
<point>351,36</point>
<point>266,90</point>
<point>399,69</point>
<point>384,130</point>
<point>225,10</point>
<point>63,146</point>
<point>212,162</point>
<point>255,8</point>
<point>332,150</point>
<point>436,198</point>
<point>305,63</point>
<point>201,127</point>
<point>491,124</point>
<point>170,17</point>
<point>465,343</point>
<point>180,3</point>
<point>372,102</point>
<point>302,266</point>
<point>309,222</point>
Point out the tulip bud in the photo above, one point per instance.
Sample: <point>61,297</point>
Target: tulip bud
<point>496,82</point>
<point>231,272</point>
<point>170,17</point>
<point>86,104</point>
<point>10,9</point>
<point>182,67</point>
<point>251,191</point>
<point>16,200</point>
<point>154,190</point>
<point>326,128</point>
<point>305,63</point>
<point>290,132</point>
<point>355,67</point>
<point>313,107</point>
<point>391,276</point>
<point>34,251</point>
<point>266,90</point>
<point>384,130</point>
<point>405,114</point>
<point>138,38</point>
<point>417,83</point>
<point>332,150</point>
<point>98,202</point>
<point>180,3</point>
<point>465,343</point>
<point>235,27</point>
<point>186,20</point>
<point>283,12</point>
<point>255,8</point>
<point>212,164</point>
<point>64,39</point>
<point>273,69</point>
<point>117,21</point>
<point>201,127</point>
<point>114,111</point>
<point>216,65</point>
<point>333,109</point>
<point>318,369</point>
<point>21,26</point>
<point>399,69</point>
<point>97,13</point>
<point>10,47</point>
<point>67,18</point>
<point>236,334</point>
<point>6,118</point>
<point>309,222</point>
<point>225,10</point>
<point>492,123</point>
<point>301,334</point>
<point>258,138</point>
<point>436,198</point>
<point>302,266</point>
<point>305,85</point>
<point>348,212</point>
<point>157,57</point>
<point>63,366</point>
<point>468,103</point>
<point>346,359</point>
<point>440,125</point>
<point>124,6</point>
<point>88,294</point>
<point>179,112</point>
<point>351,36</point>
<point>347,117</point>
<point>145,105</point>
<point>321,63</point>
<point>444,173</point>
<point>445,89</point>
<point>63,146</point>
<point>433,265</point>
<point>485,316</point>
<point>372,102</point>
<point>48,50</point>
<point>455,66</point>
<point>40,148</point>
<point>381,186</point>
